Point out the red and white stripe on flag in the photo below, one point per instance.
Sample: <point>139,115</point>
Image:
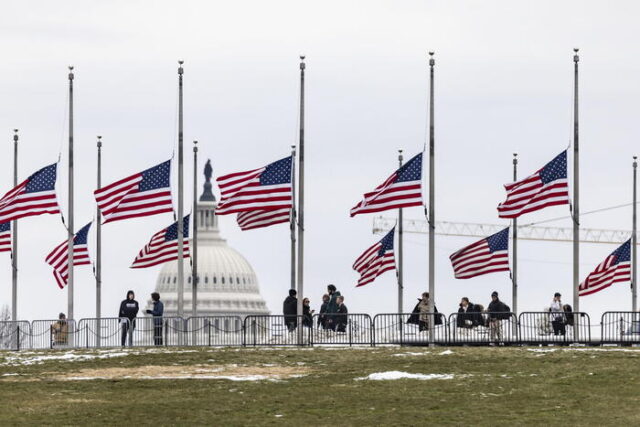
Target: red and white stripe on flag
<point>376,260</point>
<point>58,258</point>
<point>489,255</point>
<point>257,219</point>
<point>163,246</point>
<point>5,237</point>
<point>615,268</point>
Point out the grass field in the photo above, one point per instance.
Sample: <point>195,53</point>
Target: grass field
<point>318,386</point>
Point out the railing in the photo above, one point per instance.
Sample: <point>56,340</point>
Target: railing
<point>620,327</point>
<point>276,331</point>
<point>546,327</point>
<point>215,331</point>
<point>410,329</point>
<point>346,329</point>
<point>475,328</point>
<point>529,328</point>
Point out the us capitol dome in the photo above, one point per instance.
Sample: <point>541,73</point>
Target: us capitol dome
<point>227,284</point>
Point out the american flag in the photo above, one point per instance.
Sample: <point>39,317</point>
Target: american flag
<point>58,258</point>
<point>258,219</point>
<point>615,268</point>
<point>488,255</point>
<point>547,187</point>
<point>163,246</point>
<point>143,194</point>
<point>34,196</point>
<point>400,190</point>
<point>376,260</point>
<point>266,188</point>
<point>5,237</point>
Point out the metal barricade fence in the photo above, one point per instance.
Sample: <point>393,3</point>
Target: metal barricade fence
<point>410,328</point>
<point>55,333</point>
<point>344,329</point>
<point>483,328</point>
<point>15,335</point>
<point>275,331</point>
<point>620,327</point>
<point>215,331</point>
<point>546,327</point>
<point>103,332</point>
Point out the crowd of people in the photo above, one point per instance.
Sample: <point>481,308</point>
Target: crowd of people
<point>333,313</point>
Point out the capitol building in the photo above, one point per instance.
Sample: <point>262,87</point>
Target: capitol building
<point>227,284</point>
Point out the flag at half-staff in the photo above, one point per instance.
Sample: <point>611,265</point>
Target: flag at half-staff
<point>34,196</point>
<point>489,255</point>
<point>163,246</point>
<point>143,194</point>
<point>5,237</point>
<point>402,189</point>
<point>265,189</point>
<point>615,268</point>
<point>59,260</point>
<point>376,260</point>
<point>258,219</point>
<point>546,187</point>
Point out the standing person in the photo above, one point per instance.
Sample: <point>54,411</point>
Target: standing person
<point>290,310</point>
<point>128,310</point>
<point>322,317</point>
<point>469,314</point>
<point>60,331</point>
<point>557,315</point>
<point>498,311</point>
<point>157,312</point>
<point>341,316</point>
<point>307,313</point>
<point>420,314</point>
<point>332,306</point>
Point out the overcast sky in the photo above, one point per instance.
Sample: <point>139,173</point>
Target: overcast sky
<point>504,79</point>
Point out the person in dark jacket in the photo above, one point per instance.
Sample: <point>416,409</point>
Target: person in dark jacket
<point>498,311</point>
<point>128,310</point>
<point>332,306</point>
<point>341,316</point>
<point>307,313</point>
<point>157,312</point>
<point>290,310</point>
<point>322,317</point>
<point>419,316</point>
<point>469,315</point>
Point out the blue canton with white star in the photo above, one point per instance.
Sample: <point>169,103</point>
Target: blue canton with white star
<point>156,177</point>
<point>43,180</point>
<point>278,172</point>
<point>499,241</point>
<point>411,171</point>
<point>172,230</point>
<point>82,235</point>
<point>623,253</point>
<point>387,242</point>
<point>555,169</point>
<point>5,226</point>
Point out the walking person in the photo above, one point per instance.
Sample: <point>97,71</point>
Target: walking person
<point>128,311</point>
<point>498,311</point>
<point>290,310</point>
<point>322,317</point>
<point>332,306</point>
<point>157,312</point>
<point>556,313</point>
<point>341,316</point>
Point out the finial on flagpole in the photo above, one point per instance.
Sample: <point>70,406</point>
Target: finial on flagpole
<point>635,161</point>
<point>400,154</point>
<point>15,135</point>
<point>515,158</point>
<point>70,72</point>
<point>302,64</point>
<point>99,141</point>
<point>432,61</point>
<point>576,58</point>
<point>195,146</point>
<point>180,69</point>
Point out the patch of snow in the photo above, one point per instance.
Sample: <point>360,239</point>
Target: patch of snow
<point>69,356</point>
<point>398,375</point>
<point>9,374</point>
<point>446,352</point>
<point>542,350</point>
<point>409,353</point>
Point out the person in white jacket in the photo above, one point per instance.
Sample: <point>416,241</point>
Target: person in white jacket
<point>557,315</point>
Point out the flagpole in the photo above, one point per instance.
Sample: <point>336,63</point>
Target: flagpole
<point>576,195</point>
<point>293,217</point>
<point>514,270</point>
<point>400,250</point>
<point>14,239</point>
<point>70,226</point>
<point>99,239</point>
<point>194,242</point>
<point>301,204</point>
<point>634,242</point>
<point>432,217</point>
<point>180,198</point>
